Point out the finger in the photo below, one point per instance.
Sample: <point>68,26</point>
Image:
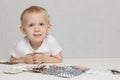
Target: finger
<point>37,62</point>
<point>29,60</point>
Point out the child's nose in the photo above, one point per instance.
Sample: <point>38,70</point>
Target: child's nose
<point>37,28</point>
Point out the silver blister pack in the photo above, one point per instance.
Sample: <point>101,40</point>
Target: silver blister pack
<point>60,71</point>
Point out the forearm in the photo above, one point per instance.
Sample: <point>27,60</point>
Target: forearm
<point>52,59</point>
<point>20,60</point>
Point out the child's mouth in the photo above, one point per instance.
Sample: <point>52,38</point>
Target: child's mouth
<point>37,35</point>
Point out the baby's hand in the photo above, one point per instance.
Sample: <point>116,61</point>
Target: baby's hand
<point>29,59</point>
<point>38,58</point>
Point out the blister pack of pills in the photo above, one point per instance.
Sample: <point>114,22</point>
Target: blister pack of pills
<point>60,71</point>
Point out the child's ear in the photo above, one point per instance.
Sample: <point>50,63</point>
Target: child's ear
<point>49,27</point>
<point>22,29</point>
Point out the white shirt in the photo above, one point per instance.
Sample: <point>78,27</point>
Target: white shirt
<point>49,46</point>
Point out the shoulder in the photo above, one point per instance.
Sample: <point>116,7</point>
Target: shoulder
<point>53,45</point>
<point>21,44</point>
<point>19,49</point>
<point>50,39</point>
<point>52,42</point>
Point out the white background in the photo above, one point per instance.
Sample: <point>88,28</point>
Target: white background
<point>84,28</point>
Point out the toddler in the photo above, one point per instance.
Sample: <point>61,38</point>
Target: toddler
<point>38,46</point>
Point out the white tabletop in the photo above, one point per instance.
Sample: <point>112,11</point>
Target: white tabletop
<point>95,63</point>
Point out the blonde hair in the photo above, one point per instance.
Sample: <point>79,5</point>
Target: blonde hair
<point>34,9</point>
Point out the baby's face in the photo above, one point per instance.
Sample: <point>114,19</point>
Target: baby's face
<point>36,27</point>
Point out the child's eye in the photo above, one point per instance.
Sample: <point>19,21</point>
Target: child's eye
<point>31,25</point>
<point>41,24</point>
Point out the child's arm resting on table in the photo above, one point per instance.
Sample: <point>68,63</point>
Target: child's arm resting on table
<point>29,59</point>
<point>20,60</point>
<point>38,58</point>
<point>43,58</point>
